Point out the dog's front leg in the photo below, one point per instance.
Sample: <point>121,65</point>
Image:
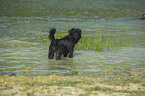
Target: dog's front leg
<point>65,54</point>
<point>71,53</point>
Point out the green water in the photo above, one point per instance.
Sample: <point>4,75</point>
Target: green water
<point>24,26</point>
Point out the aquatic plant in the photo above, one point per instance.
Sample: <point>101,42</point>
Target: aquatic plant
<point>96,43</point>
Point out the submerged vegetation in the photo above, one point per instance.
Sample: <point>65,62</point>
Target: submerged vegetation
<point>131,84</point>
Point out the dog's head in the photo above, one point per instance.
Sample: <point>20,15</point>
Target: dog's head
<point>75,33</point>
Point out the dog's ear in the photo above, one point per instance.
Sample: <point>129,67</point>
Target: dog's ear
<point>80,30</point>
<point>70,31</point>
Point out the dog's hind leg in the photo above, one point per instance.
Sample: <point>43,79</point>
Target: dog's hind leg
<point>51,53</point>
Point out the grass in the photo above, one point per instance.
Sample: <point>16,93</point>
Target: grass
<point>131,85</point>
<point>99,43</point>
<point>96,43</point>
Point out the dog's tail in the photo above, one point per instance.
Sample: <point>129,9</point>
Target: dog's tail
<point>51,34</point>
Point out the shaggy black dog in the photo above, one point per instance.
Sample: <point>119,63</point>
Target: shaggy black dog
<point>64,45</point>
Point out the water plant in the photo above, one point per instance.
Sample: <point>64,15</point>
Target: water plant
<point>96,43</point>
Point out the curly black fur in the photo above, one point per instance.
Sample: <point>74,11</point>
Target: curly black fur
<point>64,45</point>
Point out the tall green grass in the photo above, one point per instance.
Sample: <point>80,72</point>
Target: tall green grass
<point>96,43</point>
<point>99,43</point>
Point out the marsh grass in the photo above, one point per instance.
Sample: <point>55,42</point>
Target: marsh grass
<point>96,43</point>
<point>99,43</point>
<point>77,85</point>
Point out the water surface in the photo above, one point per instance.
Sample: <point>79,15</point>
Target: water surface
<point>24,27</point>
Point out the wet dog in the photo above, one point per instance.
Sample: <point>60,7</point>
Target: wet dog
<point>64,46</point>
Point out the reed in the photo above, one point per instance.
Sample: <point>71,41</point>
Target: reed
<point>97,43</point>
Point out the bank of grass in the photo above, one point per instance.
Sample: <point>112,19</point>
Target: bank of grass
<point>132,84</point>
<point>94,43</point>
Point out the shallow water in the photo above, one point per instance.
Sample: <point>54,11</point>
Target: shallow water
<point>24,27</point>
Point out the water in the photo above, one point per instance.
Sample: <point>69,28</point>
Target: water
<point>24,27</point>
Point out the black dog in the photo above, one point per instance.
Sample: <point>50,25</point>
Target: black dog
<point>64,45</point>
